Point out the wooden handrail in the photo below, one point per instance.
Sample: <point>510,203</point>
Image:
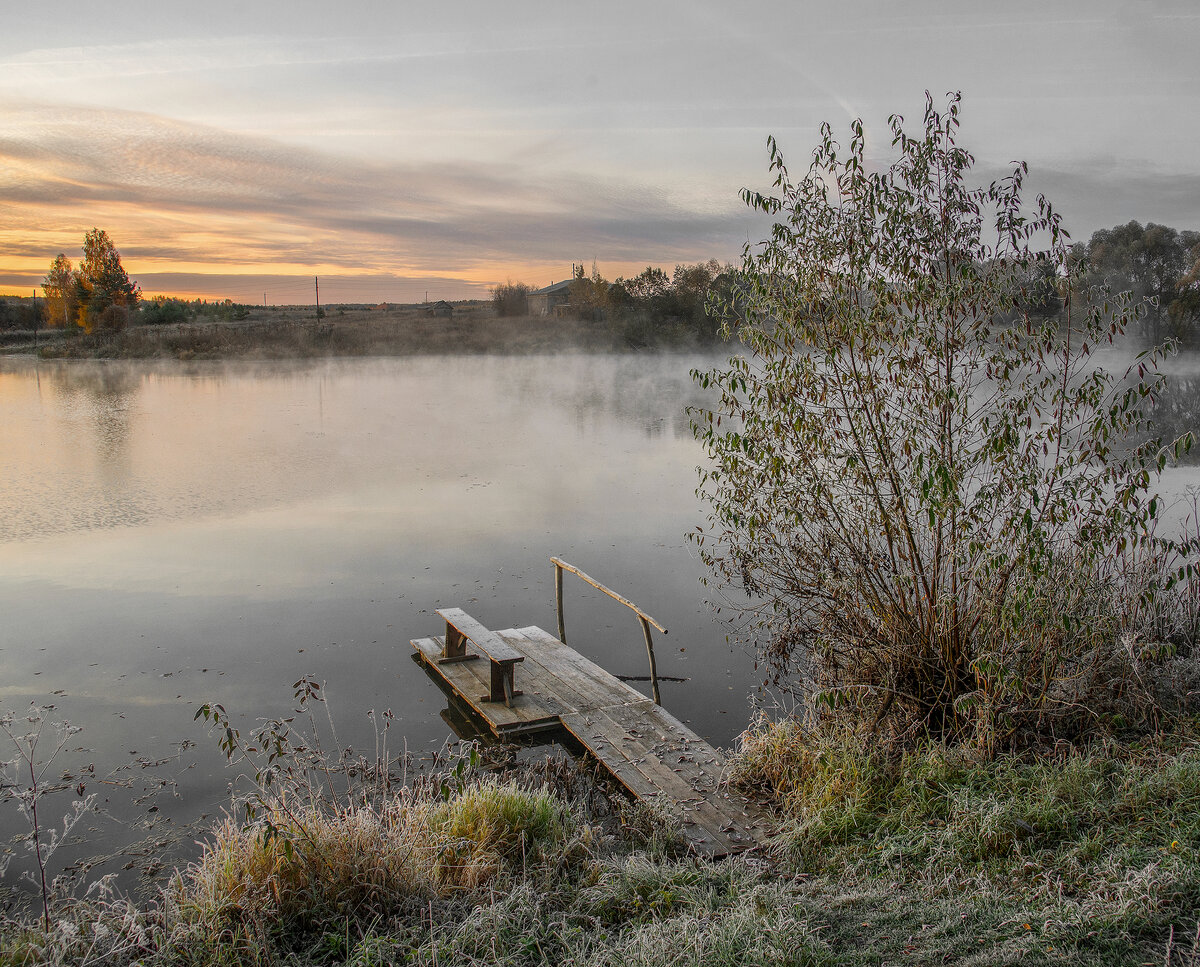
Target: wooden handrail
<point>645,619</point>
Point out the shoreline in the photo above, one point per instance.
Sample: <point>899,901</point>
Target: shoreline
<point>293,334</point>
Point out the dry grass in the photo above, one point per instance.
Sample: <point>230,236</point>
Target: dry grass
<point>305,866</point>
<point>506,872</point>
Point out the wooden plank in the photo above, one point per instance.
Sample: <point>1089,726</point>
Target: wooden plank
<point>671,742</point>
<point>551,691</point>
<point>490,643</point>
<point>559,683</point>
<point>572,688</point>
<point>659,725</point>
<point>470,680</point>
<point>675,759</point>
<point>597,687</point>
<point>707,824</point>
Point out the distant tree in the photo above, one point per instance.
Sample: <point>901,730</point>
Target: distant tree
<point>651,282</point>
<point>101,282</point>
<point>1040,295</point>
<point>619,297</point>
<point>1149,261</point>
<point>511,299</point>
<point>589,294</point>
<point>690,288</point>
<point>1191,278</point>
<point>675,308</point>
<point>62,299</point>
<point>113,318</point>
<point>161,310</point>
<point>695,279</point>
<point>1184,310</point>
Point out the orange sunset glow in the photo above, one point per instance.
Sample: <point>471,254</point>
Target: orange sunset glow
<point>407,151</point>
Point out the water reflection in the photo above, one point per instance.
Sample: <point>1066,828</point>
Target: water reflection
<point>104,395</point>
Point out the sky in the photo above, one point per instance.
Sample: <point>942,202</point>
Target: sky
<point>397,150</point>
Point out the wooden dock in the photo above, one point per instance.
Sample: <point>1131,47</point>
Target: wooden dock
<point>526,681</point>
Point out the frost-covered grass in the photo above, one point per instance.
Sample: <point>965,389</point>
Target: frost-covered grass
<point>1081,858</point>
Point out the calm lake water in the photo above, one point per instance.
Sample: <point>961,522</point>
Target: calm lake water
<point>179,533</point>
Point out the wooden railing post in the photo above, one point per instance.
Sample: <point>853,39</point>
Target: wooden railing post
<point>558,600</point>
<point>650,655</point>
<point>645,619</point>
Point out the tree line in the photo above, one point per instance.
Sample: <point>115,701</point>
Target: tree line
<point>1156,263</point>
<point>651,307</point>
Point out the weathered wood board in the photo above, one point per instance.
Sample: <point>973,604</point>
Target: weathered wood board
<point>653,755</point>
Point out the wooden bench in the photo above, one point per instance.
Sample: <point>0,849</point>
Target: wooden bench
<point>461,628</point>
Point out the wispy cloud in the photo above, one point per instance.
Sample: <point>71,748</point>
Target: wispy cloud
<point>477,140</point>
<point>191,195</point>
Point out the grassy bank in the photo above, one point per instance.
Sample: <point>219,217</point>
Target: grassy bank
<point>1081,857</point>
<point>266,333</point>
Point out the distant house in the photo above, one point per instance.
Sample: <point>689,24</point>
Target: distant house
<point>440,309</point>
<point>550,300</point>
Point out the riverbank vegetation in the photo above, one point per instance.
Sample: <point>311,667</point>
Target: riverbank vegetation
<point>220,331</point>
<point>936,856</point>
<point>932,508</point>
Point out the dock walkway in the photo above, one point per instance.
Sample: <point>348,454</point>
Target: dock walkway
<point>653,755</point>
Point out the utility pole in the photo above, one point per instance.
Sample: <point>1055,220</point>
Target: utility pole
<point>35,319</point>
<point>317,286</point>
<point>264,300</point>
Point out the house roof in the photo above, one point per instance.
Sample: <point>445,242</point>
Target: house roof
<point>554,287</point>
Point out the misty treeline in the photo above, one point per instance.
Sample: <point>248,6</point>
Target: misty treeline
<point>1154,262</point>
<point>649,309</point>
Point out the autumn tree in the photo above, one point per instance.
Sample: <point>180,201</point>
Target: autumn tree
<point>511,299</point>
<point>1184,310</point>
<point>589,294</point>
<point>62,301</point>
<point>650,282</point>
<point>104,291</point>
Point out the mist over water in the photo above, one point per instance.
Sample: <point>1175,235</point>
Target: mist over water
<point>179,533</point>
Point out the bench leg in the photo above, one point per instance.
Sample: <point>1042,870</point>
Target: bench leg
<point>455,648</point>
<point>501,684</point>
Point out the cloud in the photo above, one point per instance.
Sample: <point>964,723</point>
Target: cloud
<point>1100,194</point>
<point>189,195</point>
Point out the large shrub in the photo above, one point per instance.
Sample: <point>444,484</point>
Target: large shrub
<point>916,474</point>
<point>511,299</point>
